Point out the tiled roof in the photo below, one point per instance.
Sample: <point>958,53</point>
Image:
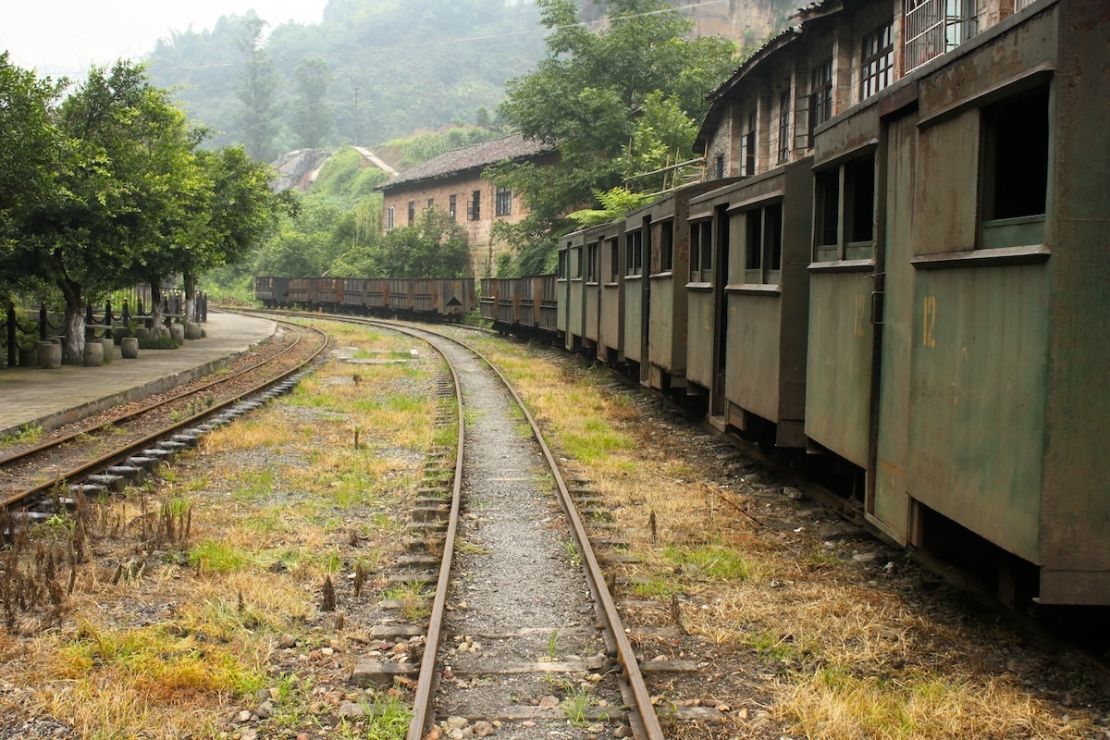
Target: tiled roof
<point>471,157</point>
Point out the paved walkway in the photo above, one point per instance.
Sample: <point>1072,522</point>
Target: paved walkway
<point>51,398</point>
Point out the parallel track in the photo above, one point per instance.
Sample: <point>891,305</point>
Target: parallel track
<point>25,498</point>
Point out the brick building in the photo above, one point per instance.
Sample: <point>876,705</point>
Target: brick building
<point>453,183</point>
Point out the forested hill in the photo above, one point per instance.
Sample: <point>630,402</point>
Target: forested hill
<point>280,88</point>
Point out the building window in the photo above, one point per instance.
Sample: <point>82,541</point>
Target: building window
<point>933,27</point>
<point>844,211</point>
<point>666,247</point>
<point>431,203</point>
<point>389,218</point>
<point>820,96</point>
<point>701,251</point>
<point>784,125</point>
<point>719,166</point>
<point>747,147</point>
<point>877,64</point>
<point>474,207</point>
<point>452,206</point>
<point>763,244</point>
<point>614,260</point>
<point>1014,185</point>
<point>504,202</point>
<point>634,244</point>
<point>412,211</point>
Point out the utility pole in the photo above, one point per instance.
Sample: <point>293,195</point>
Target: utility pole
<point>358,121</point>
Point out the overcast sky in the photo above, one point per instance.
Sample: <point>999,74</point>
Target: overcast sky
<point>64,36</point>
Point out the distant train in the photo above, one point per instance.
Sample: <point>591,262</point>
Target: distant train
<point>443,298</point>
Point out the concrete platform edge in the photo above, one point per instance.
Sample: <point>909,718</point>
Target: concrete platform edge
<point>85,410</point>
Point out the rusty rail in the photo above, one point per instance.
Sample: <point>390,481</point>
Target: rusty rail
<point>59,441</point>
<point>123,452</point>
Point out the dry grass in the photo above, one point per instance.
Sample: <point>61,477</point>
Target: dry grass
<point>164,636</point>
<point>847,659</point>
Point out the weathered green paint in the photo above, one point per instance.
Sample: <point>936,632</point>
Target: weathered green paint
<point>575,277</point>
<point>890,507</point>
<point>1075,511</point>
<point>752,373</point>
<point>838,372</point>
<point>700,332</point>
<point>977,399</point>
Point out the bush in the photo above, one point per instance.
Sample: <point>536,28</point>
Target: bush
<point>158,343</point>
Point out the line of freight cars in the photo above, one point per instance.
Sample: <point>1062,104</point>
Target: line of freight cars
<point>442,298</point>
<point>907,291</point>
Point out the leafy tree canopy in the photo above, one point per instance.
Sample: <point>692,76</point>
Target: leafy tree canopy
<point>641,80</point>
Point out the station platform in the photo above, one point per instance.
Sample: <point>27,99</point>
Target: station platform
<point>51,398</point>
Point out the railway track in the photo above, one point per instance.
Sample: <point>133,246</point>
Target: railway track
<point>106,455</point>
<point>517,629</point>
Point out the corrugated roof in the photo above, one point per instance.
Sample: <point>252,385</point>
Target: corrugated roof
<point>476,156</point>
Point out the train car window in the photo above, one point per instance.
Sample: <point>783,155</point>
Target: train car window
<point>1014,185</point>
<point>826,218</point>
<point>614,260</point>
<point>576,263</point>
<point>859,199</point>
<point>634,242</point>
<point>591,263</point>
<point>561,270</point>
<point>753,246</point>
<point>701,252</point>
<point>666,247</point>
<point>772,230</point>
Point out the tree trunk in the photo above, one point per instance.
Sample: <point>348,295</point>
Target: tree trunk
<point>190,298</point>
<point>156,300</point>
<point>73,347</point>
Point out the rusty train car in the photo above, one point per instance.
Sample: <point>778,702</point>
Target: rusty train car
<point>441,298</point>
<point>895,269</point>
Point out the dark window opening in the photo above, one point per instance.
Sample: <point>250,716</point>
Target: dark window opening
<point>591,263</point>
<point>666,248</point>
<point>784,125</point>
<point>412,211</point>
<point>504,202</point>
<point>634,252</point>
<point>701,252</point>
<point>859,195</point>
<point>389,217</point>
<point>1015,147</point>
<point>431,203</point>
<point>753,247</point>
<point>720,166</point>
<point>877,61</point>
<point>474,213</point>
<point>772,225</point>
<point>576,262</point>
<point>614,260</point>
<point>827,217</point>
<point>452,205</point>
<point>561,270</point>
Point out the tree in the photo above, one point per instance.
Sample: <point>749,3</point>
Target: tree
<point>588,95</point>
<point>433,247</point>
<point>237,213</point>
<point>115,191</point>
<point>313,120</point>
<point>257,92</point>
<point>28,159</point>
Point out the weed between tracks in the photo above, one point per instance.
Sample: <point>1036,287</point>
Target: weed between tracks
<point>798,636</point>
<point>201,594</point>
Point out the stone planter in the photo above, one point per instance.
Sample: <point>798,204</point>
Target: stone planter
<point>193,330</point>
<point>129,348</point>
<point>49,355</point>
<point>109,345</point>
<point>94,354</point>
<point>160,332</point>
<point>142,332</point>
<point>177,331</point>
